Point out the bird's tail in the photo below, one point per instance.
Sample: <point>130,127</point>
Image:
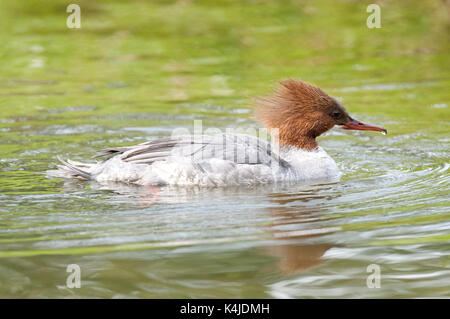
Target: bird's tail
<point>71,169</point>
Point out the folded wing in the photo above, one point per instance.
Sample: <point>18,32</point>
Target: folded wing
<point>237,148</point>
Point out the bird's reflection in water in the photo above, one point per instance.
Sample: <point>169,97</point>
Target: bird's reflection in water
<point>293,225</point>
<point>298,258</point>
<point>295,218</point>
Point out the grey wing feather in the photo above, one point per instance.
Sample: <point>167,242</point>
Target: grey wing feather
<point>149,146</point>
<point>238,148</point>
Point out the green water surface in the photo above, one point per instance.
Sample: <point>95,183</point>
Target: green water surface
<point>138,69</point>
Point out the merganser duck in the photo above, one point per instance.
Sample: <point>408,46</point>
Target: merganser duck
<point>298,111</point>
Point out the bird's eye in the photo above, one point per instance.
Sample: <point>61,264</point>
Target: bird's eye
<point>336,113</point>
